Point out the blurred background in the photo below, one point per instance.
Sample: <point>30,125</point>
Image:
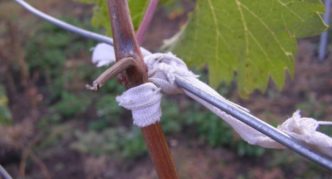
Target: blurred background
<point>52,127</point>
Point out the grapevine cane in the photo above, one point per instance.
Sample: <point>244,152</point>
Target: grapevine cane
<point>125,46</point>
<point>146,20</point>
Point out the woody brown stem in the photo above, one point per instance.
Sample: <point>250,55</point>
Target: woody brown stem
<point>146,20</point>
<point>125,45</point>
<point>111,72</point>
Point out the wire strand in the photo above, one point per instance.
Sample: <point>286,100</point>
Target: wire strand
<point>4,174</point>
<point>257,124</point>
<point>69,27</point>
<point>325,123</point>
<point>64,25</point>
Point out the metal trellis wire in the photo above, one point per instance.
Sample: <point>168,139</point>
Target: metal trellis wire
<point>257,124</point>
<point>245,117</point>
<point>64,25</point>
<point>4,174</point>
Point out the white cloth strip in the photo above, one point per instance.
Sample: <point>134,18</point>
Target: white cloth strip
<point>144,103</point>
<point>163,68</point>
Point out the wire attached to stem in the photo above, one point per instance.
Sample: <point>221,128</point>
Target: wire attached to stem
<point>246,118</point>
<point>64,25</point>
<point>69,27</point>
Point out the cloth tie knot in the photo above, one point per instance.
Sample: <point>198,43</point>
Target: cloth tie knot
<point>162,70</point>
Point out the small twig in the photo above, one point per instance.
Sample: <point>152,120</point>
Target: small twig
<point>41,165</point>
<point>146,20</point>
<point>111,72</point>
<point>28,152</point>
<point>22,165</point>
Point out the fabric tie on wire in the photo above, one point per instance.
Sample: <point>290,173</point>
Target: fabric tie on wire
<point>305,130</point>
<point>164,68</point>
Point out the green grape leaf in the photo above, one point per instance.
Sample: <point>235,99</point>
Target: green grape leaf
<point>100,18</point>
<point>255,41</point>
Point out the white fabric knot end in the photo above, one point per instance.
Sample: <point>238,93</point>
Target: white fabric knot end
<point>103,54</point>
<point>299,125</point>
<point>305,130</point>
<point>163,68</point>
<point>144,103</point>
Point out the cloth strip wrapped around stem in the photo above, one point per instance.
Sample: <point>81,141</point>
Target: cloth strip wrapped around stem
<point>164,69</point>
